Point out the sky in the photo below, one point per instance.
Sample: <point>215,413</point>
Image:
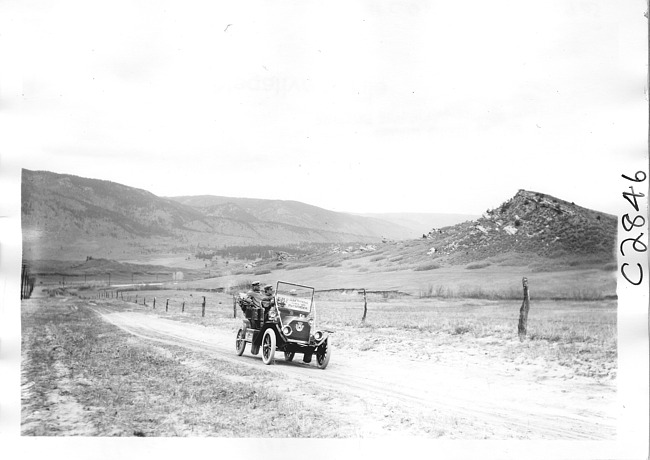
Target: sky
<point>366,106</point>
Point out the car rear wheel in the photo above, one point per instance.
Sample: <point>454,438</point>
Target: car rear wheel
<point>240,343</point>
<point>323,353</point>
<point>268,346</point>
<point>288,355</point>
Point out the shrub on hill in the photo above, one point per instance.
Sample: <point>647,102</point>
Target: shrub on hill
<point>428,266</point>
<point>476,265</point>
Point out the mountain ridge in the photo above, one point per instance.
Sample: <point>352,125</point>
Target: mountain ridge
<point>71,216</point>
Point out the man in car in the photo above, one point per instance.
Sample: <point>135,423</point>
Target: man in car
<point>267,299</point>
<point>254,295</point>
<point>256,313</point>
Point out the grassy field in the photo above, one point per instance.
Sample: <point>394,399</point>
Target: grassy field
<point>82,376</point>
<point>490,282</point>
<point>579,334</point>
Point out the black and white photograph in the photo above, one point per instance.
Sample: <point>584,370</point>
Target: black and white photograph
<point>360,229</point>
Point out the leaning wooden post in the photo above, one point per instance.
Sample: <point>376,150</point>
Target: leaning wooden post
<point>523,311</point>
<point>22,283</point>
<point>203,308</point>
<point>183,308</point>
<point>365,305</point>
<point>167,305</point>
<point>234,306</point>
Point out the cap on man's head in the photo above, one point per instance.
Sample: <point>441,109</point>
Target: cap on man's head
<point>255,283</point>
<point>268,286</point>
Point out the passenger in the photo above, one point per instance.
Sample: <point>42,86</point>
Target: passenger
<point>254,294</point>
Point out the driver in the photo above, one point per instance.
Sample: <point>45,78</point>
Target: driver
<point>267,299</point>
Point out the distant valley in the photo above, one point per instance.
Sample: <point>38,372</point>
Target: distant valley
<point>222,241</point>
<point>71,217</point>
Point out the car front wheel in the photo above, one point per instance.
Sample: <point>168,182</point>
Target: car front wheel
<point>240,343</point>
<point>268,346</point>
<point>323,353</point>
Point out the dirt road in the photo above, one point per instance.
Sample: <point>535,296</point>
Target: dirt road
<point>473,395</point>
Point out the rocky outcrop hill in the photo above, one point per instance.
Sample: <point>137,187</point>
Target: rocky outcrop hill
<point>529,222</point>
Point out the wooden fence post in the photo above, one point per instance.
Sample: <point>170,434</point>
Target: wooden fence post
<point>203,308</point>
<point>523,311</point>
<point>365,305</point>
<point>23,283</point>
<point>167,305</point>
<point>136,298</point>
<point>183,308</point>
<point>154,303</point>
<point>234,306</point>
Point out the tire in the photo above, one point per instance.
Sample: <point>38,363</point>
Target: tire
<point>288,355</point>
<point>240,343</point>
<point>323,353</point>
<point>268,346</point>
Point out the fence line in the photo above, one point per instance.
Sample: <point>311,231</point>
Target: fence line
<point>119,294</point>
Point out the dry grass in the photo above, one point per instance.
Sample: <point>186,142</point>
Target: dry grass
<point>578,334</point>
<point>582,324</point>
<point>119,386</point>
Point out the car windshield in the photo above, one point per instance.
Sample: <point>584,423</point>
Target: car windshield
<point>294,297</point>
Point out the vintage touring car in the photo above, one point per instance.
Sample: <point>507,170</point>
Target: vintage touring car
<point>286,323</point>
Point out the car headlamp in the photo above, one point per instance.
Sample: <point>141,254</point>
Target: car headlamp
<point>286,330</point>
<point>318,335</point>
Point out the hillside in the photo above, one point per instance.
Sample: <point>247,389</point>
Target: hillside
<point>293,213</point>
<point>530,222</point>
<point>565,250</point>
<point>70,217</point>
